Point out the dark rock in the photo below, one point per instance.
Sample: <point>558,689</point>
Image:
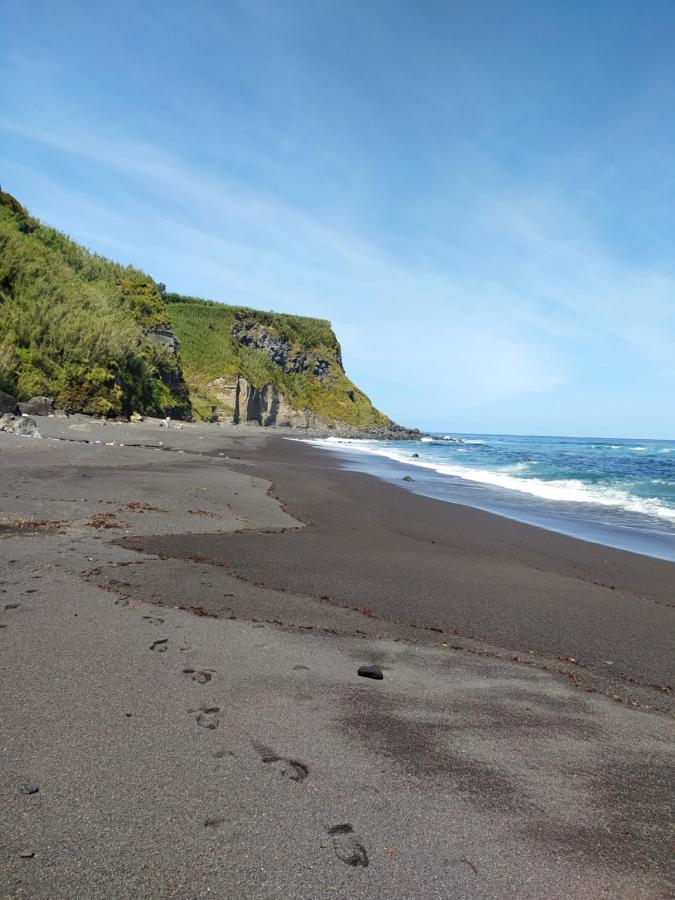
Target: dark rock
<point>279,349</point>
<point>28,789</point>
<point>321,367</point>
<point>7,403</point>
<point>390,432</point>
<point>407,478</point>
<point>371,672</point>
<point>37,406</point>
<point>164,337</point>
<point>416,456</point>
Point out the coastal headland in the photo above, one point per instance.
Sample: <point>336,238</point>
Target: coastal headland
<point>183,612</point>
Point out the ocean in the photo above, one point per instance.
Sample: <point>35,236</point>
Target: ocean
<point>614,491</point>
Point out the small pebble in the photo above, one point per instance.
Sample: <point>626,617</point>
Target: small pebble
<point>26,854</point>
<point>371,672</point>
<point>29,789</point>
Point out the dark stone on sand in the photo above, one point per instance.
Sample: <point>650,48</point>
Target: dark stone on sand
<point>371,672</point>
<point>37,406</point>
<point>7,403</point>
<point>407,478</point>
<point>29,789</point>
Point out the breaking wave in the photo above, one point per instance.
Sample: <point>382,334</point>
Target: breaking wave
<point>570,490</point>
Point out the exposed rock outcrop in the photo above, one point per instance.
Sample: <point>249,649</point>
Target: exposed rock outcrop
<point>241,403</point>
<point>280,350</point>
<point>164,337</point>
<point>268,407</point>
<point>392,432</point>
<point>37,406</point>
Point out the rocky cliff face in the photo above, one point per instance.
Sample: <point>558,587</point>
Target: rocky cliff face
<point>280,350</point>
<point>268,406</point>
<point>272,369</point>
<point>241,402</point>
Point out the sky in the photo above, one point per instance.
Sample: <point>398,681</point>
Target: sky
<point>478,195</point>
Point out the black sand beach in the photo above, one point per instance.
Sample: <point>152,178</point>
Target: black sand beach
<point>460,571</point>
<point>180,638</point>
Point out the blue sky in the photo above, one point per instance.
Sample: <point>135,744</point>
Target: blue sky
<point>479,196</point>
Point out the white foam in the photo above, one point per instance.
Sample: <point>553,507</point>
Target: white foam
<point>566,491</point>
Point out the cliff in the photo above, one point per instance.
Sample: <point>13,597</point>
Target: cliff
<point>269,368</point>
<point>106,339</point>
<point>80,328</point>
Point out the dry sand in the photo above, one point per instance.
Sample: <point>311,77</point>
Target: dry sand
<point>228,748</point>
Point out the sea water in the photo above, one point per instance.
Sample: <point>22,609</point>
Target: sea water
<point>614,491</point>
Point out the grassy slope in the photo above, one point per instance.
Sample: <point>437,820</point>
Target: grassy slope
<point>72,325</point>
<point>208,351</point>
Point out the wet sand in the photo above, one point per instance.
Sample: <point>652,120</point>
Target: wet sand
<point>181,631</point>
<point>465,573</point>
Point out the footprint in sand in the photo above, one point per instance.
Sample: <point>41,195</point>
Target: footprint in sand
<point>207,717</point>
<point>287,768</point>
<point>160,646</point>
<point>348,848</point>
<point>197,675</point>
<point>223,754</point>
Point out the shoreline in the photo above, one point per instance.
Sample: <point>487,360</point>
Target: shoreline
<point>480,576</point>
<point>510,503</point>
<point>179,670</point>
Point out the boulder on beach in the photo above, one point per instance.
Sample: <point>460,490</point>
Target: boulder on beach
<point>21,425</point>
<point>370,672</point>
<point>37,406</point>
<point>7,403</point>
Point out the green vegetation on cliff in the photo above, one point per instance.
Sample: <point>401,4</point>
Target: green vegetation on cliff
<point>79,328</point>
<point>73,326</point>
<point>219,342</point>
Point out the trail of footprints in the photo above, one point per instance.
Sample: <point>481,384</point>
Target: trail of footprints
<point>347,845</point>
